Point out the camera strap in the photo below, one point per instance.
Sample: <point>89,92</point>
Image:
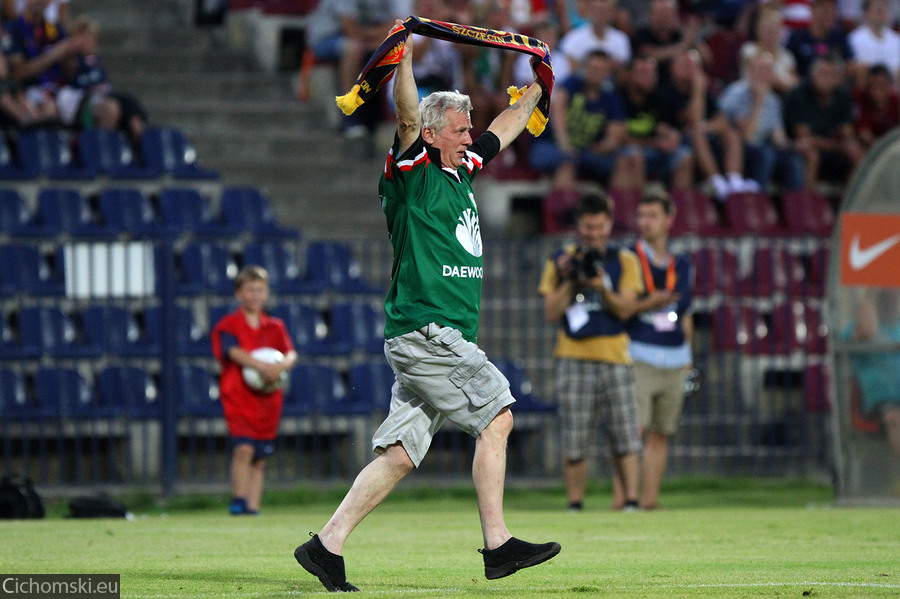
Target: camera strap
<point>648,273</point>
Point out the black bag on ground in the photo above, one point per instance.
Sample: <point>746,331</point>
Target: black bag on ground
<point>100,505</point>
<point>18,499</point>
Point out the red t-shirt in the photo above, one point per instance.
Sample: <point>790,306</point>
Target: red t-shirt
<point>247,413</point>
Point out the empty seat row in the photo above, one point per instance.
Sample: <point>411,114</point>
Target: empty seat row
<point>130,212</point>
<point>116,391</point>
<point>201,268</point>
<point>62,155</point>
<point>771,270</point>
<point>787,328</point>
<point>98,330</point>
<point>802,213</point>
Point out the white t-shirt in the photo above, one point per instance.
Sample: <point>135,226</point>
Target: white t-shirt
<point>579,42</point>
<point>51,13</point>
<point>870,49</point>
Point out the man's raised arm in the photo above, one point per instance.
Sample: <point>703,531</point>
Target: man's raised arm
<point>406,98</point>
<point>512,121</point>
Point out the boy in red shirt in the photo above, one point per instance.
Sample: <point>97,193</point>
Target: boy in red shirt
<point>252,416</point>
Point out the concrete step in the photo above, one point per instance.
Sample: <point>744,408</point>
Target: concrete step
<point>237,86</point>
<point>157,61</point>
<point>253,118</point>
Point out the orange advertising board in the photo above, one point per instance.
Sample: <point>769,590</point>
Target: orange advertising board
<point>870,249</point>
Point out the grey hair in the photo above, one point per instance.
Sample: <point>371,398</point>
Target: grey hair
<point>435,105</point>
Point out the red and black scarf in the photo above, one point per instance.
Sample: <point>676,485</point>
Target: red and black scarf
<point>381,65</point>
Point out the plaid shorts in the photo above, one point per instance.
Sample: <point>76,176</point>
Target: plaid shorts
<point>593,395</point>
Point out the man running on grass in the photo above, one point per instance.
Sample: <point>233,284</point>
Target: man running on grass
<point>432,312</point>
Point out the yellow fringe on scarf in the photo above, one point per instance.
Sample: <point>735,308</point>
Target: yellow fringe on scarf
<point>349,102</point>
<point>538,121</point>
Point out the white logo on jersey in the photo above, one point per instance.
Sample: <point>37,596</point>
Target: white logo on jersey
<point>468,232</point>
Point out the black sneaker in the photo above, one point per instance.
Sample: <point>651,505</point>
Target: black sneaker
<point>514,555</point>
<point>328,567</point>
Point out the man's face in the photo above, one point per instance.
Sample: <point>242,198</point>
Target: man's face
<point>825,76</point>
<point>652,221</point>
<point>594,229</point>
<point>596,70</point>
<point>452,140</point>
<point>643,75</point>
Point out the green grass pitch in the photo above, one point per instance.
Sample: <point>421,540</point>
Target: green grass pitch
<point>713,538</point>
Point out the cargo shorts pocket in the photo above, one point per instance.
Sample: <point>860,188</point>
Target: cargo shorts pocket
<point>478,379</point>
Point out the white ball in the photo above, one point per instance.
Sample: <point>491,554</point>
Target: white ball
<point>254,379</point>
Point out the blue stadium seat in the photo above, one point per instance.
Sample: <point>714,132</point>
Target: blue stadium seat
<point>521,388</point>
<point>357,326</point>
<point>130,388</point>
<point>65,210</point>
<point>53,332</point>
<point>10,168</point>
<point>189,211</point>
<point>248,208</point>
<point>14,399</point>
<point>108,152</point>
<point>63,391</point>
<point>16,217</point>
<point>190,338</point>
<point>319,389</point>
<point>130,211</point>
<point>114,330</point>
<point>26,269</point>
<point>306,326</point>
<point>332,265</point>
<point>168,150</point>
<point>197,391</point>
<point>284,271</point>
<point>371,383</point>
<point>49,152</point>
<point>205,268</point>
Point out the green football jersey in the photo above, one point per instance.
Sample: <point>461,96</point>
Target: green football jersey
<point>433,222</point>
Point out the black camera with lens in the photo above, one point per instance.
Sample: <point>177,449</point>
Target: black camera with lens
<point>588,264</point>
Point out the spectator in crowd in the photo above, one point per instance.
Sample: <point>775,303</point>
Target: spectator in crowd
<point>346,32</point>
<point>769,32</point>
<point>432,324</point>
<point>878,373</point>
<point>660,340</point>
<point>488,71</point>
<point>36,51</point>
<point>797,14</point>
<point>823,37</point>
<point>818,119</point>
<point>57,11</point>
<point>666,35</point>
<point>587,130</point>
<point>693,108</point>
<point>662,153</point>
<point>876,106</point>
<point>87,98</point>
<point>597,33</point>
<point>874,42</point>
<point>16,111</point>
<point>252,415</point>
<point>754,108</point>
<point>569,14</point>
<point>547,32</point>
<point>591,289</point>
<point>438,63</point>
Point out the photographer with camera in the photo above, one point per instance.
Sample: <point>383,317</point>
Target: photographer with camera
<point>591,290</point>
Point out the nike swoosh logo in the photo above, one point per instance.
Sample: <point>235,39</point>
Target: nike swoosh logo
<point>861,258</point>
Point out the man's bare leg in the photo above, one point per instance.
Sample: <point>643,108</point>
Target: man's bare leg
<point>489,475</point>
<point>371,486</point>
